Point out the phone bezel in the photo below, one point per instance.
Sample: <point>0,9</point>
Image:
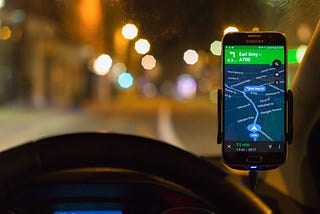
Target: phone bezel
<point>269,160</point>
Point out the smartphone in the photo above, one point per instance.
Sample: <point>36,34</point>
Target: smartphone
<point>254,111</point>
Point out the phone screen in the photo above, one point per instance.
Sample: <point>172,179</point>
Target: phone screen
<point>254,107</point>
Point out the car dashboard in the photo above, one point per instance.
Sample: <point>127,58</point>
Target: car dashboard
<point>103,190</point>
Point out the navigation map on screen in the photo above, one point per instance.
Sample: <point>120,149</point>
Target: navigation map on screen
<point>254,101</point>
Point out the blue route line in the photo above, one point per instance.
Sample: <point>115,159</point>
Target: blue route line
<point>254,106</point>
<point>244,94</point>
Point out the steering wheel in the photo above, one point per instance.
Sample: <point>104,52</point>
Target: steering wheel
<point>85,150</point>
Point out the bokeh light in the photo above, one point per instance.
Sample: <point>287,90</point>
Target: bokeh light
<point>125,80</point>
<point>301,50</point>
<point>2,3</point>
<point>191,57</point>
<point>230,29</point>
<point>148,62</point>
<point>5,33</point>
<point>129,31</point>
<point>102,64</point>
<point>216,48</point>
<point>142,46</point>
<point>186,86</point>
<point>304,33</point>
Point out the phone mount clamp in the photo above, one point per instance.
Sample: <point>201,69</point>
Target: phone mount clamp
<point>253,173</point>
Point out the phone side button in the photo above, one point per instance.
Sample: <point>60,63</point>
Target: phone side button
<point>254,159</point>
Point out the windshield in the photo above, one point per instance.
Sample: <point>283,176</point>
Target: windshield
<point>149,68</point>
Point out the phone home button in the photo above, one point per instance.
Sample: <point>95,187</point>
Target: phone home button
<point>254,159</point>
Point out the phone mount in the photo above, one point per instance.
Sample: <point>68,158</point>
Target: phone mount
<point>253,173</point>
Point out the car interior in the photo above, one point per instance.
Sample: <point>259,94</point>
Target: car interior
<point>79,139</point>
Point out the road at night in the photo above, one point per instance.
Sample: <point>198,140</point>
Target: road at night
<point>188,126</point>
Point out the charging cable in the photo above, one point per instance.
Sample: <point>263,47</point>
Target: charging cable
<point>253,180</point>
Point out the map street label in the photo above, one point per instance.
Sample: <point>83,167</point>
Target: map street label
<point>254,88</point>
